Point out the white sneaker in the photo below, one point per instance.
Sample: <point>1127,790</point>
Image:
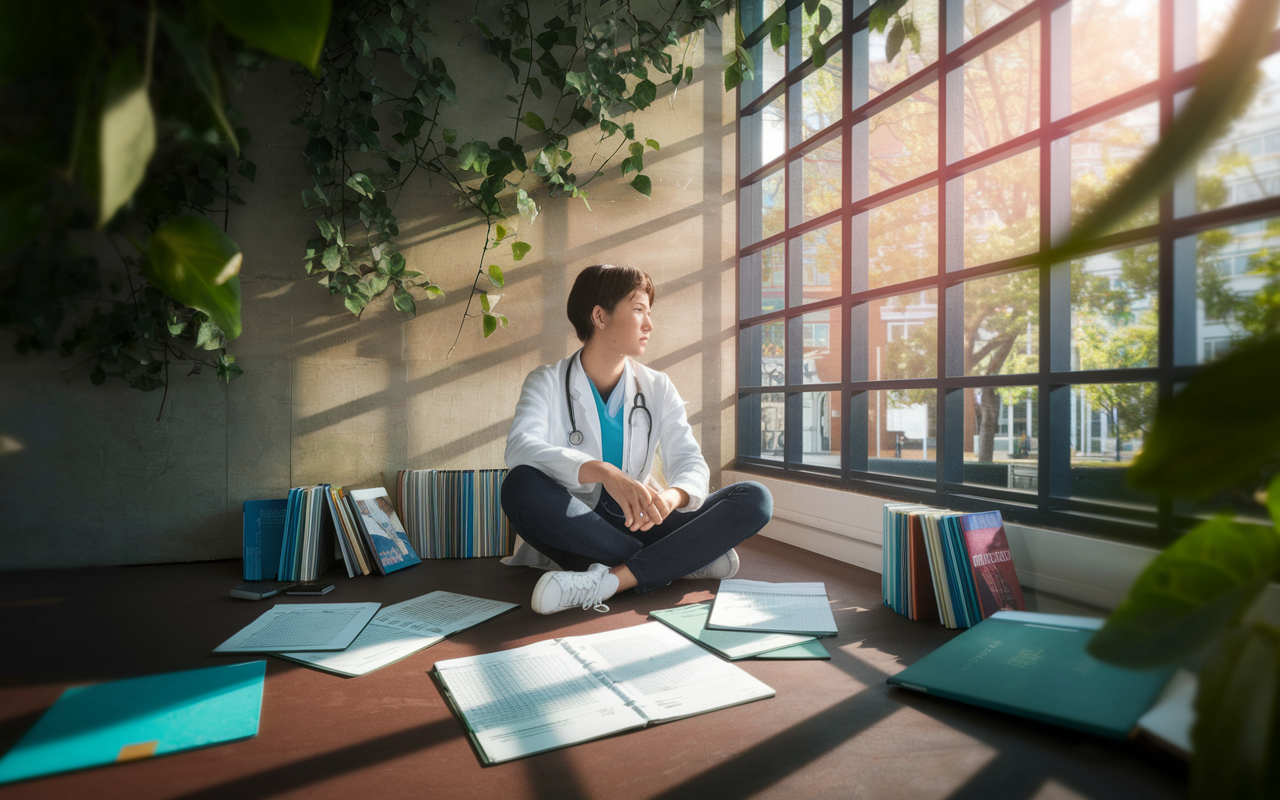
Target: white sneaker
<point>560,591</point>
<point>726,566</point>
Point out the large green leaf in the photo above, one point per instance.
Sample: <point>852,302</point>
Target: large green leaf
<point>1236,738</point>
<point>1189,594</point>
<point>198,59</point>
<point>291,29</point>
<point>1219,430</point>
<point>194,262</point>
<point>126,135</point>
<point>1222,88</point>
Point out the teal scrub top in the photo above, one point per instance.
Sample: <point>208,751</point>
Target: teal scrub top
<point>610,423</point>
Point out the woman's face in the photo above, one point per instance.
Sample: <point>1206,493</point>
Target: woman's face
<point>626,329</point>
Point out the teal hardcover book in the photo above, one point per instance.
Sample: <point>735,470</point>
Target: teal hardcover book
<point>138,718</point>
<point>1035,665</point>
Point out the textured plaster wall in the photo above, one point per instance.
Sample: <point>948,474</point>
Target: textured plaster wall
<point>90,477</point>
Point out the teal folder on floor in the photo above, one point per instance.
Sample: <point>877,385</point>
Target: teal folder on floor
<point>1035,665</point>
<point>139,718</point>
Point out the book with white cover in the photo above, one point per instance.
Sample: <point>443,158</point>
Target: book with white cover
<point>561,692</point>
<point>400,630</point>
<point>762,607</point>
<point>302,626</point>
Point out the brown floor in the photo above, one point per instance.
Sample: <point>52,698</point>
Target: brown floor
<point>835,729</point>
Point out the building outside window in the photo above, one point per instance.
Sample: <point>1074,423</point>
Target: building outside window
<point>893,213</point>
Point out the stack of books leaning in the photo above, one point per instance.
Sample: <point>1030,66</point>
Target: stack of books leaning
<point>297,538</point>
<point>452,513</point>
<point>953,568</point>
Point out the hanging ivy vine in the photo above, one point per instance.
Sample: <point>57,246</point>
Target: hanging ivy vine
<point>375,119</point>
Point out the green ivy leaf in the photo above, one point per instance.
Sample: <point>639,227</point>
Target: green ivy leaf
<point>327,229</point>
<point>404,301</point>
<point>495,274</point>
<point>502,233</point>
<point>1189,594</point>
<point>645,93</point>
<point>490,325</point>
<point>484,303</point>
<point>1273,501</point>
<point>519,250</point>
<point>332,258</point>
<point>126,136</point>
<point>450,136</point>
<point>534,121</point>
<point>535,86</point>
<point>361,183</point>
<point>378,282</point>
<point>291,29</point>
<point>653,144</point>
<point>194,262</point>
<point>1212,435</point>
<point>1237,719</point>
<point>778,37</point>
<point>893,42</point>
<point>502,318</point>
<point>643,185</point>
<point>819,50</point>
<point>432,291</point>
<point>198,60</point>
<point>636,149</point>
<point>209,336</point>
<point>354,303</point>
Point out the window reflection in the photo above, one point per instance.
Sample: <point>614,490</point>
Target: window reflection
<point>1114,48</point>
<point>820,264</point>
<point>1244,163</point>
<point>902,336</point>
<point>1002,92</point>
<point>821,429</point>
<point>1102,155</point>
<point>1002,324</point>
<point>1114,320</point>
<point>1002,210</point>
<point>902,239</point>
<point>885,74</point>
<point>821,100</point>
<point>902,432</point>
<point>820,360</point>
<point>822,179</point>
<point>979,15</point>
<point>1001,437</point>
<point>1238,286</point>
<point>903,140</point>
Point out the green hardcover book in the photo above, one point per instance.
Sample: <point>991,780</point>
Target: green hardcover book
<point>1035,665</point>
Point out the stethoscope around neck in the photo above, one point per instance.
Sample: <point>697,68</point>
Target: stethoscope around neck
<point>575,435</point>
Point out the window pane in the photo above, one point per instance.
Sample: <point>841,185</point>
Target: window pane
<point>1238,286</point>
<point>1002,324</point>
<point>836,9</point>
<point>1244,163</point>
<point>979,15</point>
<point>1002,92</point>
<point>820,264</point>
<point>902,432</point>
<point>821,429</point>
<point>764,135</point>
<point>886,74</point>
<point>761,425</point>
<point>762,282</point>
<point>1108,424</point>
<point>903,140</point>
<point>821,179</point>
<point>762,348</point>
<point>1214,17</point>
<point>763,208</point>
<point>821,360</point>
<point>1001,437</point>
<point>1114,48</point>
<point>902,336</point>
<point>902,239</point>
<point>1101,156</point>
<point>821,100</point>
<point>1002,210</point>
<point>1113,309</point>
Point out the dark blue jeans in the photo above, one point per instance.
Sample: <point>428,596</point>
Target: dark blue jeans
<point>564,529</point>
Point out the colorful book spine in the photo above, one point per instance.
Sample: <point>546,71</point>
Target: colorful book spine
<point>454,513</point>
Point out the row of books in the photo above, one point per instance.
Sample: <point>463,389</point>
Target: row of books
<point>294,539</point>
<point>943,566</point>
<point>450,513</point>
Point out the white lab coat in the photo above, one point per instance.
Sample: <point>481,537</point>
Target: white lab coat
<point>539,435</point>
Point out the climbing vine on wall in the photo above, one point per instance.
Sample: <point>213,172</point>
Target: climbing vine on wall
<point>376,117</point>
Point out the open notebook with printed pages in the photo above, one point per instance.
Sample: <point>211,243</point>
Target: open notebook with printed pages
<point>137,718</point>
<point>761,607</point>
<point>691,620</point>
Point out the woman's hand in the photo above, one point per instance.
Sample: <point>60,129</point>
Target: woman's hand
<point>663,504</point>
<point>635,498</point>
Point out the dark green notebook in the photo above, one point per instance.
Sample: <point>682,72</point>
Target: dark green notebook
<point>1035,665</point>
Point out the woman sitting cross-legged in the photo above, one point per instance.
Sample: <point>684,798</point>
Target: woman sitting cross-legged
<point>580,489</point>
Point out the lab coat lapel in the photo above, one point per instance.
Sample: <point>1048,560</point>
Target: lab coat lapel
<point>584,406</point>
<point>634,428</point>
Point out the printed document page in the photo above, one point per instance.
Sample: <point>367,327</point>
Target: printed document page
<point>400,630</point>
<point>777,607</point>
<point>302,626</point>
<point>691,620</point>
<point>668,676</point>
<point>531,699</point>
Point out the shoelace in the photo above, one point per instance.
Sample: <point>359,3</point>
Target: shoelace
<point>584,590</point>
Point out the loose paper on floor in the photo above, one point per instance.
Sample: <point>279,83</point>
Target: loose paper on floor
<point>302,626</point>
<point>742,605</point>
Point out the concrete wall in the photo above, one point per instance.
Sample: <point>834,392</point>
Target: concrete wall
<point>90,477</point>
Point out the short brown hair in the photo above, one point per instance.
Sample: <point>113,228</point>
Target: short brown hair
<point>603,285</point>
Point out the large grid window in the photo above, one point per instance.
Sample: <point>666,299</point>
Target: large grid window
<point>897,333</point>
